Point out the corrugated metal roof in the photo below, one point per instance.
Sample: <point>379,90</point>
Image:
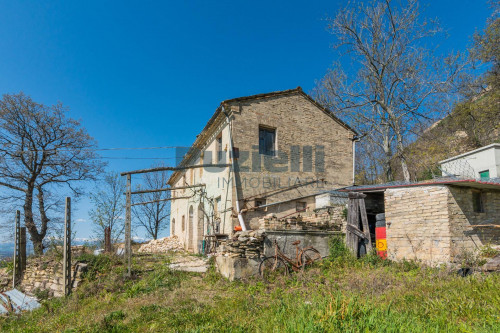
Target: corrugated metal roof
<point>493,183</point>
<point>19,301</point>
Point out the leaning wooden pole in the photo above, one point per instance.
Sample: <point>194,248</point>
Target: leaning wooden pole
<point>128,226</point>
<point>17,240</point>
<point>67,248</point>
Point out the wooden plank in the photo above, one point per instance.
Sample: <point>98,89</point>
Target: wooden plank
<point>159,200</point>
<point>167,189</point>
<point>356,231</point>
<point>175,168</point>
<point>366,228</point>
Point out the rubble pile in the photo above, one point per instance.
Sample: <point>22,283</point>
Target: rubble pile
<point>162,245</point>
<point>330,219</point>
<point>243,244</point>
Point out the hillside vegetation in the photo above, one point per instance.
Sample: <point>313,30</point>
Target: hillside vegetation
<point>340,294</point>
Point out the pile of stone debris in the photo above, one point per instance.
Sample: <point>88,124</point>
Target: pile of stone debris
<point>243,244</point>
<point>162,245</point>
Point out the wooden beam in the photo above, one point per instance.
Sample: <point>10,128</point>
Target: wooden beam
<point>167,189</point>
<point>175,168</point>
<point>160,200</point>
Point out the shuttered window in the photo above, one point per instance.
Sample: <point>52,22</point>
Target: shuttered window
<point>267,141</point>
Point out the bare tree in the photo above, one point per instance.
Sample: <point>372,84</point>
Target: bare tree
<point>41,150</point>
<point>154,216</point>
<point>108,201</point>
<point>391,78</point>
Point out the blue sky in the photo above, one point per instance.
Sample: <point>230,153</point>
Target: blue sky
<point>145,73</point>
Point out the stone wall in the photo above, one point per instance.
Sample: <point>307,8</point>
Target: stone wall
<point>243,244</point>
<point>471,230</point>
<point>417,224</point>
<point>328,219</point>
<point>44,273</point>
<point>437,224</point>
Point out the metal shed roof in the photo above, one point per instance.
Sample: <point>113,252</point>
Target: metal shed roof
<point>20,302</point>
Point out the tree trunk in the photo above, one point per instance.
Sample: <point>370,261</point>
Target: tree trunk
<point>35,237</point>
<point>388,154</point>
<point>401,156</point>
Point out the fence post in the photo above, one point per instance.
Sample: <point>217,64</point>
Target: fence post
<point>22,250</point>
<point>17,240</point>
<point>67,248</point>
<point>128,218</point>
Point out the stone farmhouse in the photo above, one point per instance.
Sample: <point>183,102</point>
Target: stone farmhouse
<point>257,156</point>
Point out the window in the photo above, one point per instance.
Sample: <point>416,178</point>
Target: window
<point>259,203</point>
<point>218,147</point>
<point>477,201</point>
<point>172,232</point>
<point>484,174</point>
<point>300,206</point>
<point>183,223</point>
<point>267,141</point>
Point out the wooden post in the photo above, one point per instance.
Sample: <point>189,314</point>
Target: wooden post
<point>128,227</point>
<point>67,249</point>
<point>22,249</point>
<point>15,270</point>
<point>364,221</point>
<point>352,222</point>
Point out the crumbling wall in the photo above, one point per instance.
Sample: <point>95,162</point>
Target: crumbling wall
<point>44,273</point>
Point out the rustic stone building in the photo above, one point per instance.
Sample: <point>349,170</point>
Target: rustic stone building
<point>270,153</point>
<point>441,221</point>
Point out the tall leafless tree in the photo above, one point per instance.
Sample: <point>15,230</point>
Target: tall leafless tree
<point>392,76</point>
<point>42,150</point>
<point>108,206</point>
<point>154,216</point>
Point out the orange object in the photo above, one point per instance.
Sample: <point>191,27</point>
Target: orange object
<point>237,228</point>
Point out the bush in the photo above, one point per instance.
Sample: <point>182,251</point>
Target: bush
<point>339,251</point>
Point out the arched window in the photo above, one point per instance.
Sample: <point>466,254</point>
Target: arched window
<point>172,231</point>
<point>183,223</point>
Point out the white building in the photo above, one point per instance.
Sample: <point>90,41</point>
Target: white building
<point>483,162</point>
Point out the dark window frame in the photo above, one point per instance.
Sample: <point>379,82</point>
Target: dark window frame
<point>477,201</point>
<point>267,141</point>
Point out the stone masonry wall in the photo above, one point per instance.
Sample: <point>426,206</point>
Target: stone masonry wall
<point>330,219</point>
<point>301,128</point>
<point>437,224</point>
<point>471,230</point>
<point>47,274</point>
<point>417,224</point>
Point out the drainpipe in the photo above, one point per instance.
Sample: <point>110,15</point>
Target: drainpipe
<point>240,216</point>
<point>354,140</point>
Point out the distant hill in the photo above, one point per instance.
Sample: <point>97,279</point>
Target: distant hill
<point>472,124</point>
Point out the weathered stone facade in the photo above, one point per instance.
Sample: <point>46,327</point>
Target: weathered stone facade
<point>312,146</point>
<point>437,224</point>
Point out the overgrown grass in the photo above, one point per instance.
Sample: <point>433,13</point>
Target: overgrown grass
<point>339,294</point>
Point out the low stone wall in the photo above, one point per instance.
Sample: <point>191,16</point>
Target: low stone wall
<point>243,244</point>
<point>318,239</point>
<point>47,274</point>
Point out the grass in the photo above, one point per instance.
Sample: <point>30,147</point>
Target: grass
<point>339,294</point>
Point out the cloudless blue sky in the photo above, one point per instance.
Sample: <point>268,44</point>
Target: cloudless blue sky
<point>145,73</point>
